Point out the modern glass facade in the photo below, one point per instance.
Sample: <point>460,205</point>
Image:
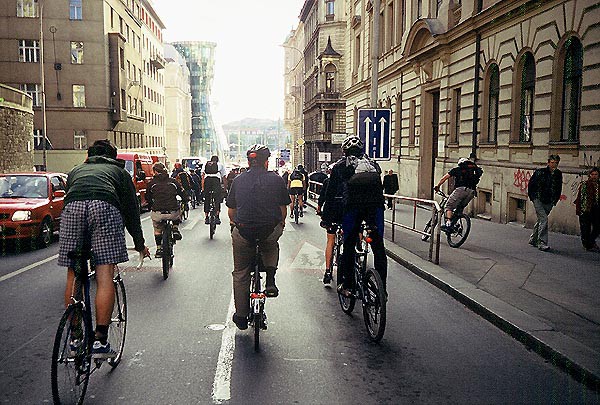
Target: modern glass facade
<point>200,57</point>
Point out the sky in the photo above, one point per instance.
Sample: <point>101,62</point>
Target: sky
<point>248,80</point>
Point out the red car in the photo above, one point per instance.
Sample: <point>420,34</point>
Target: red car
<point>31,205</point>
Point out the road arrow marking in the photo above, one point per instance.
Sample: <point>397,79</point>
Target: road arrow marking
<point>367,122</point>
<point>382,122</point>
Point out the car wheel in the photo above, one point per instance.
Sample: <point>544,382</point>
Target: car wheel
<point>45,236</point>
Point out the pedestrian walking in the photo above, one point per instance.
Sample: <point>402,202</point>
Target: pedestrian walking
<point>390,186</point>
<point>544,190</point>
<point>587,207</point>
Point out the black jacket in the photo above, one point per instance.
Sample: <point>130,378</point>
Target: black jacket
<point>390,183</point>
<point>545,186</point>
<point>162,193</point>
<point>105,179</point>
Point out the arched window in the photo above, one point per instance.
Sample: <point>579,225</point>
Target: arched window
<point>492,103</point>
<point>571,90</point>
<point>526,92</point>
<point>330,73</point>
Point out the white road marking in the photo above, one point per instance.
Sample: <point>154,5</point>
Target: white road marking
<point>27,268</point>
<point>222,383</point>
<point>309,257</point>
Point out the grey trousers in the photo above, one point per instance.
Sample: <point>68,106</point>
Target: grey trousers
<point>243,254</point>
<point>540,229</point>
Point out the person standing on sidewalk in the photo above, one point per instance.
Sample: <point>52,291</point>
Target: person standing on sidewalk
<point>587,205</point>
<point>390,186</point>
<point>544,190</point>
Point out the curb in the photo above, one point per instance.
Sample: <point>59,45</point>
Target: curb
<point>582,363</point>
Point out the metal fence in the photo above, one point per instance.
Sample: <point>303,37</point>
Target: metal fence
<point>434,231</point>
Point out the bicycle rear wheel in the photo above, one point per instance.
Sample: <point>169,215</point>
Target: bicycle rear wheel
<point>213,224</point>
<point>167,251</point>
<point>296,212</point>
<point>347,303</point>
<point>118,322</point>
<point>374,305</point>
<point>460,231</point>
<point>257,324</point>
<point>71,356</point>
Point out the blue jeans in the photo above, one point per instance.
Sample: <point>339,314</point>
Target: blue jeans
<point>540,229</point>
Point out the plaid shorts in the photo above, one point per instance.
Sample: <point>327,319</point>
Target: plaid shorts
<point>98,221</point>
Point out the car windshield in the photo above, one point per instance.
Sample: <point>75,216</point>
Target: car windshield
<point>23,186</point>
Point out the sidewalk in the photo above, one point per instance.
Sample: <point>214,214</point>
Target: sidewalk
<point>550,301</point>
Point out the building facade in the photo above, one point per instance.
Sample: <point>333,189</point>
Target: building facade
<point>324,109</point>
<point>293,92</point>
<point>152,86</point>
<point>200,57</point>
<point>93,68</point>
<point>16,130</point>
<point>504,82</point>
<point>178,105</point>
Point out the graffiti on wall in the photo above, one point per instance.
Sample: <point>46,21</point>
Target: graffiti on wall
<point>522,178</point>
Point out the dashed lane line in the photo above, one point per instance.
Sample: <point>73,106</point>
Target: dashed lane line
<point>222,383</point>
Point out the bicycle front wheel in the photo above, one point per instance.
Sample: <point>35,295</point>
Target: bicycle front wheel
<point>374,305</point>
<point>71,356</point>
<point>118,322</point>
<point>213,225</point>
<point>459,232</point>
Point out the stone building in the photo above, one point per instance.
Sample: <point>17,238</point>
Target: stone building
<point>504,82</point>
<point>178,105</point>
<point>94,56</point>
<point>16,131</point>
<point>325,53</point>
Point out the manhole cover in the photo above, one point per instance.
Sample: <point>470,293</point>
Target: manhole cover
<point>216,326</point>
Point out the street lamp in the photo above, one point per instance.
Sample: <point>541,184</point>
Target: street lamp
<point>43,85</point>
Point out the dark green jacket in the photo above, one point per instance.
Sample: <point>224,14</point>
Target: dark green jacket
<point>545,186</point>
<point>105,179</point>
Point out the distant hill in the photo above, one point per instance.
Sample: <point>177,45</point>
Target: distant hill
<point>252,123</point>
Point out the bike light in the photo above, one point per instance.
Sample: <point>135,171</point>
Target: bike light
<point>21,216</point>
<point>369,239</point>
<point>257,296</point>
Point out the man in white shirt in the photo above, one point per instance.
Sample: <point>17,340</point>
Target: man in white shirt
<point>213,180</point>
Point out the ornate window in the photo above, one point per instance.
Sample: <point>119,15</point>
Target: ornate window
<point>526,75</point>
<point>330,73</point>
<point>493,98</point>
<point>571,90</point>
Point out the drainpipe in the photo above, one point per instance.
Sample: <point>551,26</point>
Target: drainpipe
<point>476,87</point>
<point>476,96</point>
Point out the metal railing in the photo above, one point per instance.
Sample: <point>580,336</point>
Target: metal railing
<point>434,230</point>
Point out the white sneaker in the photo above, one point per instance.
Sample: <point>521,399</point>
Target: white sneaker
<point>543,247</point>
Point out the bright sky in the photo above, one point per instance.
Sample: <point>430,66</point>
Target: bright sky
<point>249,61</point>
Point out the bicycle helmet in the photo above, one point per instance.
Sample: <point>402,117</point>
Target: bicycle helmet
<point>462,160</point>
<point>352,141</point>
<point>258,152</point>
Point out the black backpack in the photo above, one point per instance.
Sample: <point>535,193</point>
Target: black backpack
<point>211,168</point>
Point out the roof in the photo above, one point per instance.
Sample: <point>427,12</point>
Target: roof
<point>329,51</point>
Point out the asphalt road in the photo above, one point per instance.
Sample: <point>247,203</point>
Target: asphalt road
<point>181,347</point>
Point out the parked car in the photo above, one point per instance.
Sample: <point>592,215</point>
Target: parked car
<point>31,205</point>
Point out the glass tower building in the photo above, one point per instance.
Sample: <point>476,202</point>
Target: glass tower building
<point>200,57</point>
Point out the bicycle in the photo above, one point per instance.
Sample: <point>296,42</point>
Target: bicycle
<point>368,288</point>
<point>257,318</point>
<point>184,209</point>
<point>212,215</point>
<point>167,247</point>
<point>460,229</point>
<point>72,349</point>
<point>193,200</point>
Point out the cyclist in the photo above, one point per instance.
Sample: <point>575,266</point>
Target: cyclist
<point>296,186</point>
<point>213,179</point>
<point>196,185</point>
<point>331,208</point>
<point>305,193</point>
<point>183,178</point>
<point>466,176</point>
<point>100,201</point>
<point>161,195</point>
<point>257,206</point>
<point>360,180</point>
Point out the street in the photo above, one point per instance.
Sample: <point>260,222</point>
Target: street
<point>182,347</point>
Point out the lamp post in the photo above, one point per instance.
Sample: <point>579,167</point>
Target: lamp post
<point>43,85</point>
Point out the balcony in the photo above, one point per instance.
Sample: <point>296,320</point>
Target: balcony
<point>330,96</point>
<point>158,61</point>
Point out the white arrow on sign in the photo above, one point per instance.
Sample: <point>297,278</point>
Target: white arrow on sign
<point>367,132</point>
<point>382,122</point>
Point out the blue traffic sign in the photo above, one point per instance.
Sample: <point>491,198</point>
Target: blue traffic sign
<point>374,130</point>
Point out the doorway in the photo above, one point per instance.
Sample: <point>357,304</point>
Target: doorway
<point>428,151</point>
